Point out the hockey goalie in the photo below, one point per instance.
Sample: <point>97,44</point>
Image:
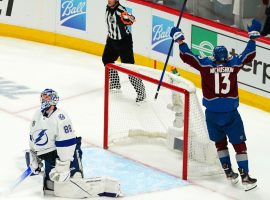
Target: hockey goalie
<point>53,142</point>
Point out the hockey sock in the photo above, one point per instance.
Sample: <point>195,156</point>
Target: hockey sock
<point>223,152</point>
<point>241,156</point>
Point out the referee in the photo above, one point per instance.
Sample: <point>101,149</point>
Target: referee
<point>119,43</point>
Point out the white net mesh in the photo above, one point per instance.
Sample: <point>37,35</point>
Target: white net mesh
<point>136,118</point>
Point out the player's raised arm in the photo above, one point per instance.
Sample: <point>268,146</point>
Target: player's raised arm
<point>185,53</point>
<point>250,51</point>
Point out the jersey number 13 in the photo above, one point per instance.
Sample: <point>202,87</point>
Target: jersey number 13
<point>225,81</point>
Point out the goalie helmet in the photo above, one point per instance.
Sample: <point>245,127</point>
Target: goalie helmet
<point>48,98</point>
<point>220,53</point>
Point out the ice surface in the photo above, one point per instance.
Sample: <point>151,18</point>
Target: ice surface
<point>135,178</point>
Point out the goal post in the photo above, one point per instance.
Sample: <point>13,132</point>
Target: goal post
<point>155,81</point>
<point>175,119</point>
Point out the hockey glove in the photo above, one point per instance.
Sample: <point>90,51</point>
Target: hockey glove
<point>61,172</point>
<point>254,29</point>
<point>177,34</point>
<point>35,163</point>
<point>127,18</point>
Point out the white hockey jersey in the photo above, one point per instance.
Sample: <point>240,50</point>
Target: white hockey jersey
<point>53,133</point>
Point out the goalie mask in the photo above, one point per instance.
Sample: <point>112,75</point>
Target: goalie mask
<point>48,98</point>
<point>220,53</point>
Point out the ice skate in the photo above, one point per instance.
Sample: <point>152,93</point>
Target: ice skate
<point>247,182</point>
<point>230,174</point>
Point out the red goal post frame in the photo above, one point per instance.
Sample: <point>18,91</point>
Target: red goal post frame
<point>155,81</point>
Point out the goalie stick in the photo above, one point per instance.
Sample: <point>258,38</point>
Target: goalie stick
<point>170,49</point>
<point>20,179</point>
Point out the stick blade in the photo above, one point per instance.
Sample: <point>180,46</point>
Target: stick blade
<point>20,179</point>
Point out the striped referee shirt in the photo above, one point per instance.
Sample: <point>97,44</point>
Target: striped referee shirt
<point>116,28</point>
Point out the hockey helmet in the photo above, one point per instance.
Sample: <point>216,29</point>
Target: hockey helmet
<point>220,53</point>
<point>48,98</point>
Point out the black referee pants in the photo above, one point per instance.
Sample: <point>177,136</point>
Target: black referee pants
<point>124,49</point>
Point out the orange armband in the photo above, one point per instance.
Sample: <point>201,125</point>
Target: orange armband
<point>126,18</point>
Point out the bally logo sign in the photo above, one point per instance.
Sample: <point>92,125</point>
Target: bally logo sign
<point>73,14</point>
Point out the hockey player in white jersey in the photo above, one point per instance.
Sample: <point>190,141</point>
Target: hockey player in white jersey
<point>52,141</point>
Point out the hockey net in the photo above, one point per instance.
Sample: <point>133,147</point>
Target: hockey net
<point>174,120</point>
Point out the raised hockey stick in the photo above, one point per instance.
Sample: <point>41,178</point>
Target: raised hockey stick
<point>170,49</point>
<point>20,179</point>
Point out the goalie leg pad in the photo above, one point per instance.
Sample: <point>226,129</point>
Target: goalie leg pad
<point>88,187</point>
